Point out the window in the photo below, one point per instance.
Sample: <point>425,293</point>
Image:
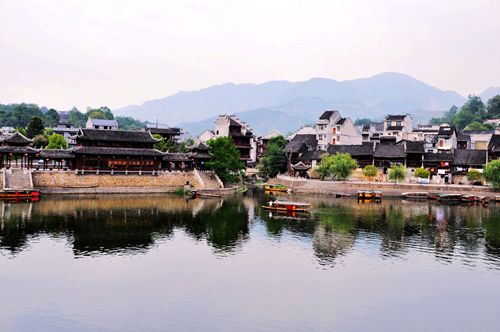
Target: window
<point>96,127</point>
<point>398,123</point>
<point>333,141</point>
<point>441,143</point>
<point>338,138</point>
<point>338,128</point>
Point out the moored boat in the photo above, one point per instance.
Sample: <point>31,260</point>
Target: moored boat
<point>19,194</point>
<point>468,198</point>
<point>288,206</point>
<point>450,198</point>
<point>497,198</point>
<point>416,195</point>
<point>275,187</point>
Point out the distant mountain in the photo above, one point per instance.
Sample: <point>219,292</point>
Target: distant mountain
<point>286,106</point>
<point>489,93</point>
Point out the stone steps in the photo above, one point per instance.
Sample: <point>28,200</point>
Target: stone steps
<point>18,179</point>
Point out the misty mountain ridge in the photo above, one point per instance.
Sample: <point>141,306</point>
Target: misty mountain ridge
<point>286,106</point>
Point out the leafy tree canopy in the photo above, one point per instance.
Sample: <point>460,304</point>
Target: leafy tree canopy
<point>479,126</point>
<point>128,123</point>
<point>56,141</point>
<point>340,166</point>
<point>35,127</point>
<point>422,173</point>
<point>494,107</point>
<point>51,118</point>
<point>165,145</point>
<point>225,161</point>
<point>274,160</point>
<point>492,173</point>
<point>397,173</point>
<point>40,141</point>
<point>362,122</point>
<point>370,171</point>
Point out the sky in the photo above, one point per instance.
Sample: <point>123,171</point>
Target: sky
<point>65,53</point>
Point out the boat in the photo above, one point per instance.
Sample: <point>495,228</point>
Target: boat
<point>290,215</point>
<point>468,198</point>
<point>275,187</point>
<point>340,195</point>
<point>19,194</point>
<point>361,194</point>
<point>377,195</point>
<point>288,206</point>
<point>369,195</point>
<point>497,198</point>
<point>482,199</point>
<point>434,196</point>
<point>450,198</point>
<point>416,195</point>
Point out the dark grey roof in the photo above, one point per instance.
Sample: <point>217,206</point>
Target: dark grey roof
<point>414,147</point>
<point>397,117</point>
<point>185,157</point>
<point>326,115</point>
<point>469,157</point>
<point>378,126</point>
<point>340,121</point>
<point>18,139</point>
<point>494,145</point>
<point>446,130</point>
<point>138,136</point>
<point>468,132</point>
<point>116,151</point>
<point>18,149</point>
<point>442,156</point>
<point>389,151</point>
<point>164,131</point>
<point>298,141</point>
<point>395,128</point>
<point>311,155</point>
<point>365,149</point>
<point>200,146</point>
<point>461,137</point>
<point>57,154</point>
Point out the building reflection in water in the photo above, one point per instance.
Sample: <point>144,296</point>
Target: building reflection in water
<point>123,224</point>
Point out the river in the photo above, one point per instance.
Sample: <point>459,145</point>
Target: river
<point>164,263</point>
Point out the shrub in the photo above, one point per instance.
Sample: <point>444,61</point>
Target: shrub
<point>492,173</point>
<point>397,173</point>
<point>474,176</point>
<point>370,171</point>
<point>422,173</point>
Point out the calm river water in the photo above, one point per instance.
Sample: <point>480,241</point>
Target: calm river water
<point>163,263</point>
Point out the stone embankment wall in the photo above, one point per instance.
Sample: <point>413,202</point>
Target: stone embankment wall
<point>389,189</point>
<point>68,179</point>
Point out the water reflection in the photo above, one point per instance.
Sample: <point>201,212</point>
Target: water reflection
<point>337,227</point>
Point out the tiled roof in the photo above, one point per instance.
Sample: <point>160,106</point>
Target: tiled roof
<point>186,157</point>
<point>18,139</point>
<point>389,151</point>
<point>397,117</point>
<point>18,149</point>
<point>57,154</point>
<point>326,115</point>
<point>340,121</point>
<point>311,155</point>
<point>469,157</point>
<point>365,149</point>
<point>164,131</point>
<point>138,136</point>
<point>103,122</point>
<point>298,141</point>
<point>446,130</point>
<point>461,137</point>
<point>414,147</point>
<point>300,166</point>
<point>494,145</point>
<point>438,157</point>
<point>200,146</point>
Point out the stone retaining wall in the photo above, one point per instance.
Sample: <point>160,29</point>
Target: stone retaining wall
<point>389,189</point>
<point>68,179</point>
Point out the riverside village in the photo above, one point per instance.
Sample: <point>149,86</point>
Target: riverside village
<point>336,156</point>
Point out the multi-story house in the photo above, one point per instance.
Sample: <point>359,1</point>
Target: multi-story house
<point>398,126</point>
<point>101,124</point>
<point>332,129</point>
<point>446,139</point>
<point>372,132</point>
<point>240,132</point>
<point>67,130</point>
<point>262,142</point>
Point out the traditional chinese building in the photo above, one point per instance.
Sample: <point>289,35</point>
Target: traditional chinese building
<point>16,151</point>
<point>116,150</point>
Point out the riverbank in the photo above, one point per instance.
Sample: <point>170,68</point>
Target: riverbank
<point>128,190</point>
<point>389,189</point>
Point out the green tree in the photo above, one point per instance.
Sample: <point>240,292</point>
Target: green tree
<point>165,145</point>
<point>76,118</point>
<point>35,127</point>
<point>478,126</point>
<point>422,173</point>
<point>370,172</point>
<point>494,107</point>
<point>362,122</point>
<point>184,146</point>
<point>225,161</point>
<point>128,123</point>
<point>22,131</point>
<point>474,176</point>
<point>274,161</point>
<point>324,168</point>
<point>99,113</point>
<point>56,141</point>
<point>397,173</point>
<point>47,132</point>
<point>492,173</point>
<point>343,165</point>
<point>23,114</point>
<point>51,118</point>
<point>40,141</point>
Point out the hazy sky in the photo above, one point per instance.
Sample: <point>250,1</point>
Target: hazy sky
<point>115,53</point>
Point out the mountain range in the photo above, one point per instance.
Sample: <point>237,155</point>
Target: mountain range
<point>287,106</point>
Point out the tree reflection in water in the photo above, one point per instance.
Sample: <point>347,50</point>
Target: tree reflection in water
<point>125,225</point>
